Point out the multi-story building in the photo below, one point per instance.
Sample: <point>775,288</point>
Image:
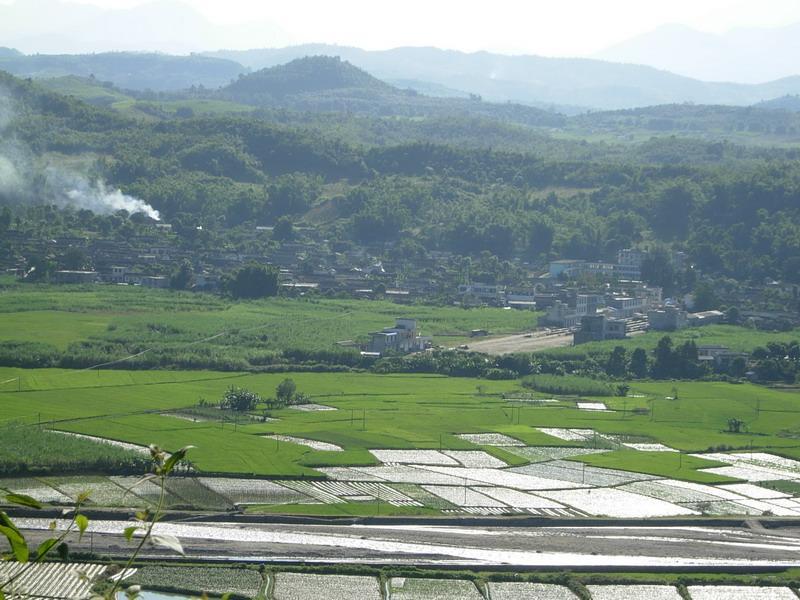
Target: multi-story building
<point>402,338</point>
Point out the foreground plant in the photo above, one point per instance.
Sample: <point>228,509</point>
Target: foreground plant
<point>20,551</point>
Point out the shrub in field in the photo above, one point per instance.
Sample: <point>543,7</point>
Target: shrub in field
<point>239,399</point>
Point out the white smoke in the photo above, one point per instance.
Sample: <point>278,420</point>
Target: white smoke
<point>22,179</point>
<point>70,189</point>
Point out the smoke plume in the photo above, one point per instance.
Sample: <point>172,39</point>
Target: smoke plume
<point>25,179</point>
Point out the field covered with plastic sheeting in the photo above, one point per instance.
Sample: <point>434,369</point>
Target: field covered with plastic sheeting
<point>403,588</point>
<point>300,586</point>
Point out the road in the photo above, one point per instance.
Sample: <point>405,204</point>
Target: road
<point>523,342</point>
<point>479,546</point>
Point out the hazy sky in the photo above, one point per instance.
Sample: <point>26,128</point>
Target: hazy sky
<point>550,27</point>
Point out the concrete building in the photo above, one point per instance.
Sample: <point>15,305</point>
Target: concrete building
<point>598,328</point>
<point>402,338</point>
<point>587,304</point>
<point>720,357</point>
<point>668,318</point>
<point>76,276</point>
<point>492,294</point>
<point>626,306</point>
<point>158,282</point>
<point>560,314</point>
<point>566,267</point>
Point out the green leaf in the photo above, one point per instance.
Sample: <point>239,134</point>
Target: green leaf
<point>82,522</point>
<point>129,531</point>
<point>63,551</point>
<point>6,521</point>
<point>23,500</point>
<point>17,542</point>
<point>45,547</point>
<point>170,463</point>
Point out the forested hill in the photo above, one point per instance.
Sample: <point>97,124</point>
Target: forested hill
<point>127,70</point>
<point>308,75</point>
<point>329,84</point>
<point>788,102</point>
<point>733,209</point>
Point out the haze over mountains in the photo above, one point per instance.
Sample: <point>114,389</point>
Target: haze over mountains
<point>746,55</point>
<point>719,65</point>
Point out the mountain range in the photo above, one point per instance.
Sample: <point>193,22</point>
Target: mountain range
<point>747,55</point>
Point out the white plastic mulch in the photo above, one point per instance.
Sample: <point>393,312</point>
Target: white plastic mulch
<point>530,591</point>
<point>313,444</point>
<point>490,439</point>
<point>301,586</point>
<point>649,447</point>
<point>503,478</point>
<point>414,457</point>
<point>633,592</point>
<point>612,502</point>
<point>463,496</point>
<point>311,407</point>
<point>592,406</point>
<point>729,592</point>
<point>547,453</point>
<point>753,491</point>
<point>476,459</point>
<point>403,588</point>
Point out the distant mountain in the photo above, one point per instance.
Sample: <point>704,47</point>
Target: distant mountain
<point>156,26</point>
<point>791,103</point>
<point>329,84</point>
<point>314,74</point>
<point>748,55</point>
<point>534,80</point>
<point>127,70</point>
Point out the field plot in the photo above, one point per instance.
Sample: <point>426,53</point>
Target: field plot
<point>611,502</point>
<point>633,592</point>
<point>297,586</point>
<point>475,459</point>
<point>195,493</point>
<point>490,439</point>
<point>36,489</point>
<point>102,491</point>
<point>403,588</point>
<point>252,491</point>
<point>52,580</point>
<point>209,580</point>
<point>313,444</point>
<point>730,592</point>
<point>578,473</point>
<point>529,591</point>
<point>413,457</point>
<point>545,453</point>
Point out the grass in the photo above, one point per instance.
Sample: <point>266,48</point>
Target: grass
<point>382,411</point>
<point>169,321</point>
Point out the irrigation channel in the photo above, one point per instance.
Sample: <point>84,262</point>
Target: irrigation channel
<point>673,546</point>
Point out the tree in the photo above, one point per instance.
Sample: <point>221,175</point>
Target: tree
<point>285,391</point>
<point>183,277</point>
<point>239,399</point>
<point>664,362</point>
<point>639,363</point>
<point>616,364</point>
<point>705,298</point>
<point>254,281</point>
<point>283,230</point>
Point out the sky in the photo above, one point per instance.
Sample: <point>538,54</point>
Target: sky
<point>547,27</point>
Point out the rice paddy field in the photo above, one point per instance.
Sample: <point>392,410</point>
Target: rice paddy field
<point>419,445</point>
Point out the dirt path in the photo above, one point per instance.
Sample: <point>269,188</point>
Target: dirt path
<point>527,342</point>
